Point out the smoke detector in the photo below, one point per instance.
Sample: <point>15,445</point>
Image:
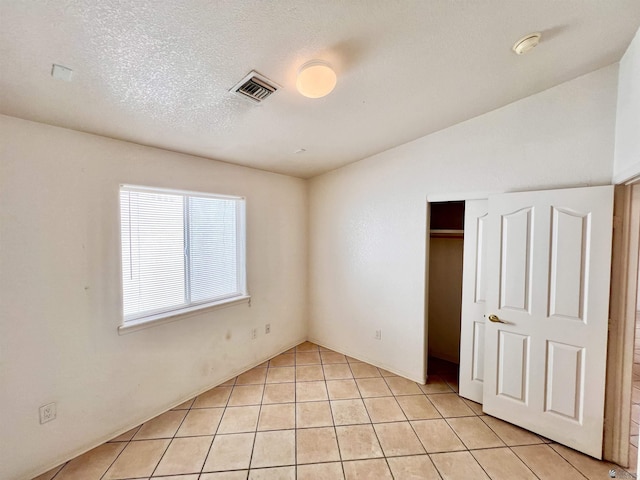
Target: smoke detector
<point>526,43</point>
<point>255,87</point>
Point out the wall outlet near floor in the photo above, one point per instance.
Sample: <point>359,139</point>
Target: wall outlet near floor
<point>267,328</point>
<point>378,334</point>
<point>254,333</point>
<point>47,412</point>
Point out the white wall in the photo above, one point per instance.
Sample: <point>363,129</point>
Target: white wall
<point>368,219</point>
<point>60,291</point>
<point>627,150</point>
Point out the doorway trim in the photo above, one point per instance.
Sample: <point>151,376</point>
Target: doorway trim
<point>622,317</point>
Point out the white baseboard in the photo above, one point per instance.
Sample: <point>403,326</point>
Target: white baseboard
<point>375,363</point>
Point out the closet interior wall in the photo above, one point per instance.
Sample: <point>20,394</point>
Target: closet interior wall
<point>446,242</point>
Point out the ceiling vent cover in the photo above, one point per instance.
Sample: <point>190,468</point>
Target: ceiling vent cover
<point>255,87</point>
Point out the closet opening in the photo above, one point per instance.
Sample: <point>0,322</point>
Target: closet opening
<point>446,247</point>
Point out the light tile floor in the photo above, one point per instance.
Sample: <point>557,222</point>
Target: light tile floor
<point>311,413</point>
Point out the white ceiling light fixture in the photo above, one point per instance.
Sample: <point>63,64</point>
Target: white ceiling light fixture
<point>316,79</point>
<point>526,43</point>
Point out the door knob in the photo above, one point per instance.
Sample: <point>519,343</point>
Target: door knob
<point>495,319</point>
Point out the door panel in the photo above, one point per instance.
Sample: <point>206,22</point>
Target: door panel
<point>569,249</point>
<point>474,287</point>
<point>478,239</point>
<point>515,281</point>
<point>477,358</point>
<point>513,366</point>
<point>564,380</point>
<point>548,270</point>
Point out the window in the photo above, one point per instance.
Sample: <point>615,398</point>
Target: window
<point>181,251</point>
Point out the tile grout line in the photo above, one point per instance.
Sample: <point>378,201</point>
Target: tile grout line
<point>446,419</point>
<point>226,404</point>
<point>521,460</point>
<point>454,432</point>
<point>510,446</point>
<point>60,467</point>
<point>333,420</point>
<point>386,461</point>
<point>460,438</point>
<point>65,464</point>
<point>295,411</point>
<point>566,459</point>
<point>171,441</point>
<point>442,417</point>
<point>384,455</point>
<point>110,465</point>
<point>128,442</point>
<point>255,435</point>
<point>546,445</point>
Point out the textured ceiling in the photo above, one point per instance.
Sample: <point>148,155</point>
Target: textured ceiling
<point>158,72</point>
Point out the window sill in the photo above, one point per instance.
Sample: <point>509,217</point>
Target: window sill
<point>162,318</point>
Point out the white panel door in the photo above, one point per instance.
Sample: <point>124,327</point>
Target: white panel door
<point>548,269</point>
<point>473,300</point>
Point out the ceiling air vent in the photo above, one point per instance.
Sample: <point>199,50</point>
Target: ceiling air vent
<point>255,87</point>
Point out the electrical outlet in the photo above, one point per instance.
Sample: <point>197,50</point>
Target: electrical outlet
<point>378,334</point>
<point>254,333</point>
<point>267,328</point>
<point>47,412</point>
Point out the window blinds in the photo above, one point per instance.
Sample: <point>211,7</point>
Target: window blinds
<point>179,250</point>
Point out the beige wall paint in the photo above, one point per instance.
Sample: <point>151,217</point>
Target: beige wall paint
<point>368,220</point>
<point>60,291</point>
<point>627,151</point>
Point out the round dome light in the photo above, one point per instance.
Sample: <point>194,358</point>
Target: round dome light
<point>316,79</point>
<point>526,43</point>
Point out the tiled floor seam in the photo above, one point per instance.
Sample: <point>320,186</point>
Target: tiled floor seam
<point>523,445</point>
<point>567,460</point>
<point>526,466</point>
<point>333,420</point>
<point>374,429</point>
<point>514,453</point>
<point>64,465</point>
<point>114,460</point>
<point>295,412</point>
<point>411,425</point>
<point>547,445</point>
<point>509,446</point>
<point>206,457</point>
<point>127,444</point>
<point>169,444</point>
<point>255,435</point>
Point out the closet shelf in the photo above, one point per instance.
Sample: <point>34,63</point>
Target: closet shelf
<point>445,233</point>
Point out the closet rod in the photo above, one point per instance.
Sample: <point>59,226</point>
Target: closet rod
<point>445,233</point>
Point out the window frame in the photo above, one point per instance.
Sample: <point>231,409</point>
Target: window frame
<point>159,316</point>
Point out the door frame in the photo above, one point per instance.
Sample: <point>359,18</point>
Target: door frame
<point>622,318</point>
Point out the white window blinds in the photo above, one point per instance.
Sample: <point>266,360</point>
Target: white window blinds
<point>179,250</point>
